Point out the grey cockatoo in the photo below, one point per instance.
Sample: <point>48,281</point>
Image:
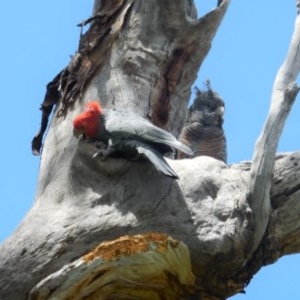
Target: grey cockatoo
<point>128,135</point>
<point>203,131</point>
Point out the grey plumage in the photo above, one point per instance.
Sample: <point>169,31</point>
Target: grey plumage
<point>129,135</point>
<point>203,131</point>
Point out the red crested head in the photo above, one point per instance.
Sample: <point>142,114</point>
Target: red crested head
<point>87,122</point>
<point>93,107</point>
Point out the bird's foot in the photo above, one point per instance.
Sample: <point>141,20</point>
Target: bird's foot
<point>101,153</point>
<point>104,150</point>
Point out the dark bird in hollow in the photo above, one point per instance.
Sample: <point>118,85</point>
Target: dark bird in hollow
<point>203,131</point>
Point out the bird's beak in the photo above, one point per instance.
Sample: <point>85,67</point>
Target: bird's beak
<point>220,111</point>
<point>78,134</point>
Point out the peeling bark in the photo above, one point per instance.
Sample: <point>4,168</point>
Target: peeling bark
<point>106,271</point>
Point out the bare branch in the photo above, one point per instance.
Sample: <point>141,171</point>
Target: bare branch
<point>285,195</point>
<point>283,96</point>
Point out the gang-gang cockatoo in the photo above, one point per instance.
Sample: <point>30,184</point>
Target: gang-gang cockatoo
<point>126,134</point>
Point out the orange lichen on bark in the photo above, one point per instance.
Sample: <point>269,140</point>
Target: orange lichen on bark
<point>145,266</point>
<point>129,245</point>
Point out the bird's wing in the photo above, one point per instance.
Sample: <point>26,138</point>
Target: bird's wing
<point>122,125</point>
<point>155,157</point>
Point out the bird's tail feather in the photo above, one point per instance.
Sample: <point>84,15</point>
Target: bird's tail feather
<point>157,160</point>
<point>177,145</point>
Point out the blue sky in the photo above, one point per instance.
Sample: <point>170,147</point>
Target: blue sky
<point>38,38</point>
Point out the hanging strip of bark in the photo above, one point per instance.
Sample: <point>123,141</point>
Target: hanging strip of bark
<point>69,84</point>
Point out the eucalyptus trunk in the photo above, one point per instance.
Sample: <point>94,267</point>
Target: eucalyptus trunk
<point>118,229</point>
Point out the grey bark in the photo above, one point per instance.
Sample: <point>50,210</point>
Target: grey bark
<point>284,93</point>
<point>144,55</point>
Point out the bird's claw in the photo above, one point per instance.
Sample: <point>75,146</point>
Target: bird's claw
<point>101,153</point>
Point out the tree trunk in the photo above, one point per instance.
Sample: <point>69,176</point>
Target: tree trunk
<point>117,229</point>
